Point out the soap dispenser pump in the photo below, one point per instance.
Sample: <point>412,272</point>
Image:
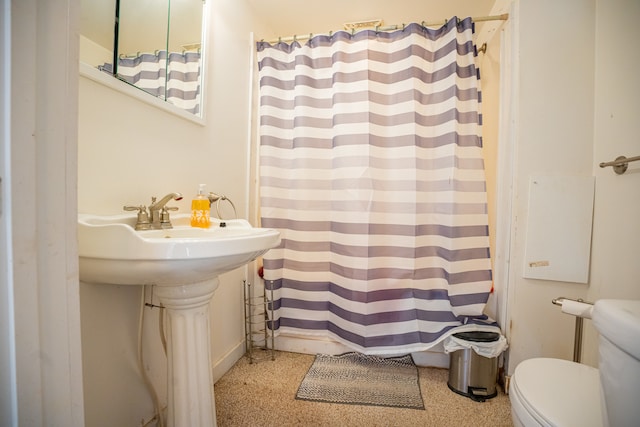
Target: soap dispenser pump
<point>200,209</point>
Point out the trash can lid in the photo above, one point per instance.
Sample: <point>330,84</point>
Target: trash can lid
<point>478,336</point>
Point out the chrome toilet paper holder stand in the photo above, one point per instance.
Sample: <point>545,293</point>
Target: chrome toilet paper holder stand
<point>577,341</point>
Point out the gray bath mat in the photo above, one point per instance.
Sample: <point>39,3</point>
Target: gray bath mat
<point>358,379</point>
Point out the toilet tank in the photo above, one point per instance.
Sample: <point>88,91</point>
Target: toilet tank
<point>618,322</point>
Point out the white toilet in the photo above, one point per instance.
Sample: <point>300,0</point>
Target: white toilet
<point>555,392</point>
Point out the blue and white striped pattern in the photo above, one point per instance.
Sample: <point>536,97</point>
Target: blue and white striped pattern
<point>183,81</point>
<point>146,71</point>
<point>371,168</point>
<point>176,79</point>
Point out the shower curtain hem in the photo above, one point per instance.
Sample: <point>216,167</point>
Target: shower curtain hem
<point>387,351</point>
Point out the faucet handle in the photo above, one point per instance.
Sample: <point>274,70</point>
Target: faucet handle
<point>140,208</point>
<point>165,221</point>
<point>143,217</point>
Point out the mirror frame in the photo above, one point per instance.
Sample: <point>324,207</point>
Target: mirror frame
<point>118,85</point>
<point>115,83</point>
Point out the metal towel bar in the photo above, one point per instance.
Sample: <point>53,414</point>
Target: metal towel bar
<point>620,164</point>
<point>577,340</point>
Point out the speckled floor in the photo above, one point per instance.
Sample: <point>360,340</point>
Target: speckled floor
<point>262,394</point>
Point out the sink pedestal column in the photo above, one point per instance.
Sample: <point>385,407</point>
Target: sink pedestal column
<point>190,380</point>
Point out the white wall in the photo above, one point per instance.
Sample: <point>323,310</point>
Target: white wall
<point>130,151</point>
<point>615,271</point>
<point>574,109</point>
<point>553,98</point>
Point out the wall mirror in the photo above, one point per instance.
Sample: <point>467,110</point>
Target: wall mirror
<point>154,45</point>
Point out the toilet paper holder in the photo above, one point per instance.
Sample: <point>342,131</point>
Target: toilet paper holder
<point>577,341</point>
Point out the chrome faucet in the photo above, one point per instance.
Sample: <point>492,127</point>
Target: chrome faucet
<point>159,212</point>
<point>158,216</point>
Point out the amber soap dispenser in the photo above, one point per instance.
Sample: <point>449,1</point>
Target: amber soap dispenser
<point>200,209</point>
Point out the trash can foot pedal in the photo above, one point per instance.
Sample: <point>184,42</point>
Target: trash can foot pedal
<point>474,393</point>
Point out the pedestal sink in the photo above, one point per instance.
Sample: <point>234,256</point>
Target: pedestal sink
<point>184,264</point>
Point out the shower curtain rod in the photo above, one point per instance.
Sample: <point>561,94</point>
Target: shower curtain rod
<point>502,17</point>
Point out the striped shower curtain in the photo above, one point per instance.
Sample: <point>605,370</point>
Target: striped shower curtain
<point>174,77</point>
<point>371,168</point>
<point>183,80</point>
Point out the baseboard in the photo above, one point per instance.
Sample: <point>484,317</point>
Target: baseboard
<point>226,362</point>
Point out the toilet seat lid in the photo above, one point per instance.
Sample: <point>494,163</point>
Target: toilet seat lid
<point>559,392</point>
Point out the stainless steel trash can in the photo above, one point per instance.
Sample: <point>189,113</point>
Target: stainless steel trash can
<point>473,375</point>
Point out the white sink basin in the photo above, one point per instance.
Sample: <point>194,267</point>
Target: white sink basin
<point>111,251</point>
